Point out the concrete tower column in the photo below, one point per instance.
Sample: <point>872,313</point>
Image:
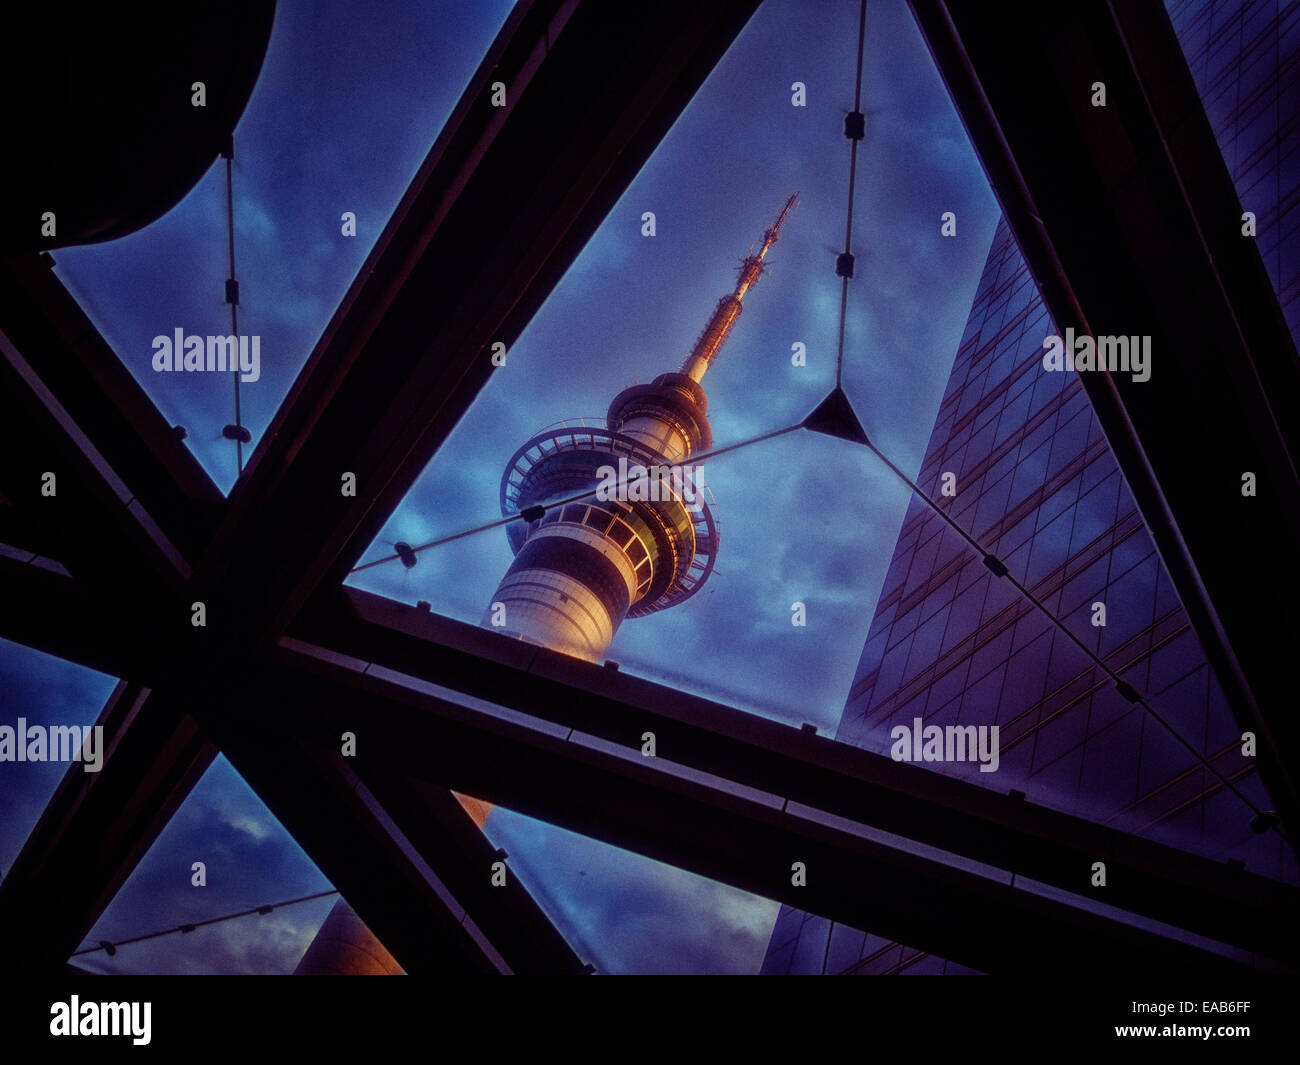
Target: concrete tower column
<point>344,946</point>
<point>568,588</point>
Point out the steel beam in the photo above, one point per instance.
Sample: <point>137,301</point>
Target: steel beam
<point>1149,878</point>
<point>128,505</point>
<point>461,856</point>
<point>980,918</point>
<point>97,826</point>
<point>411,862</point>
<point>317,800</point>
<point>1131,225</point>
<point>43,608</point>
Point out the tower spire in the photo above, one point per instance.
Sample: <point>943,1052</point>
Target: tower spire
<point>729,307</point>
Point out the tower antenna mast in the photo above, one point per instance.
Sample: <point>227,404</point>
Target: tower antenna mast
<point>729,307</point>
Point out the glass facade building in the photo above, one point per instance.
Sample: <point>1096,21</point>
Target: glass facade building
<point>1034,481</point>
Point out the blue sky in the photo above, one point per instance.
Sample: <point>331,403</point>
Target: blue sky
<point>343,114</point>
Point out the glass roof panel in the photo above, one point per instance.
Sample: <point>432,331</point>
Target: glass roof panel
<point>250,861</point>
<point>41,692</point>
<point>343,113</point>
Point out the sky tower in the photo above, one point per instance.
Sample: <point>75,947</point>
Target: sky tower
<point>582,563</point>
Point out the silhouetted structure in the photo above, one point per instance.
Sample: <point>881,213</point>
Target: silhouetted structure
<point>291,657</point>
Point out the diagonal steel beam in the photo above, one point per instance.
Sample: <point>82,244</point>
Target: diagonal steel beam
<point>1153,879</point>
<point>347,834</point>
<point>458,852</point>
<point>129,507</point>
<point>67,495</point>
<point>384,844</point>
<point>978,916</point>
<point>1131,225</point>
<point>42,607</point>
<point>97,826</point>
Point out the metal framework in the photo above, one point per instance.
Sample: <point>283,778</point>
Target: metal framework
<point>289,657</point>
